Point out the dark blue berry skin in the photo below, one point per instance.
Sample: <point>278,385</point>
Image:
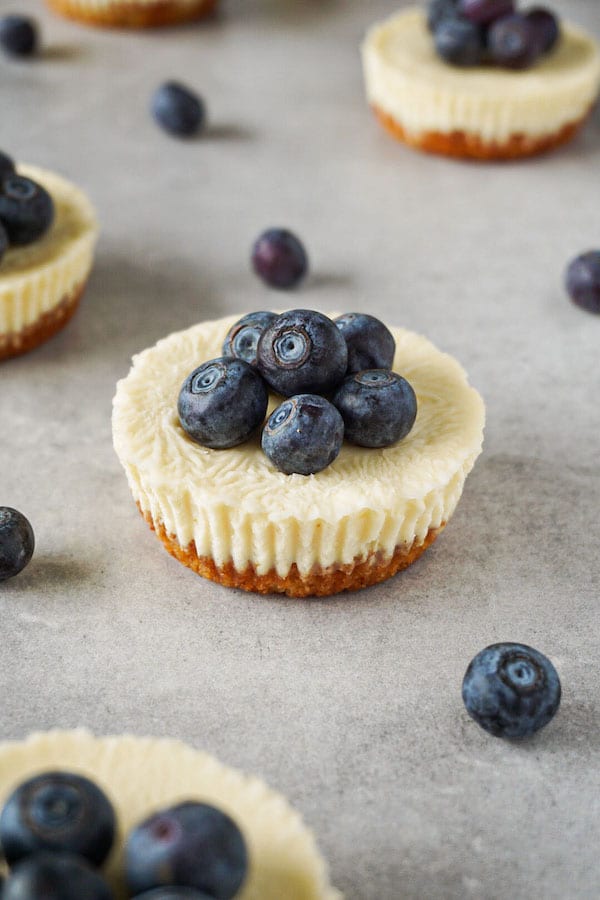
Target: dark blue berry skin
<point>279,258</point>
<point>303,435</point>
<point>440,9</point>
<point>378,407</point>
<point>55,876</point>
<point>222,403</point>
<point>18,35</point>
<point>371,344</point>
<point>511,690</point>
<point>7,165</point>
<point>546,27</point>
<point>483,12</point>
<point>242,338</point>
<point>459,42</point>
<point>582,280</point>
<point>302,352</point>
<point>58,812</point>
<point>173,893</point>
<point>26,209</point>
<point>512,42</point>
<point>189,845</point>
<point>4,242</point>
<point>178,110</point>
<point>17,542</point>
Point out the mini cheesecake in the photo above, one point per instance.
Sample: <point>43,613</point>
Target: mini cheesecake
<point>133,13</point>
<point>143,775</point>
<point>41,283</point>
<point>481,112</point>
<point>232,517</point>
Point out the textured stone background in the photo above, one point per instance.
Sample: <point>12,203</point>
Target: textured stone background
<point>351,706</point>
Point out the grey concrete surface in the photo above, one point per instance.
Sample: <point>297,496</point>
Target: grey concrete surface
<point>349,706</point>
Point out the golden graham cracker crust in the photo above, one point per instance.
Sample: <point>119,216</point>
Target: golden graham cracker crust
<point>318,583</point>
<point>16,343</point>
<point>134,15</point>
<point>470,146</point>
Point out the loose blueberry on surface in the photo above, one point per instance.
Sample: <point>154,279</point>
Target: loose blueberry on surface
<point>173,893</point>
<point>26,209</point>
<point>279,258</point>
<point>582,281</point>
<point>483,12</point>
<point>7,165</point>
<point>512,42</point>
<point>459,42</point>
<point>303,435</point>
<point>440,9</point>
<point>222,403</point>
<point>546,27</point>
<point>18,35</point>
<point>378,407</point>
<point>302,351</point>
<point>242,338</point>
<point>191,845</point>
<point>371,344</point>
<point>58,812</point>
<point>17,542</point>
<point>177,109</point>
<point>511,690</point>
<point>55,876</point>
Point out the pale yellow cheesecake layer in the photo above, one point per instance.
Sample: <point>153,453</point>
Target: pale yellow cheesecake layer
<point>143,775</point>
<point>238,508</point>
<point>36,278</point>
<point>408,81</point>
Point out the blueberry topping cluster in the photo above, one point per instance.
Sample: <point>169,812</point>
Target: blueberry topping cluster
<point>58,828</point>
<point>26,208</point>
<point>335,376</point>
<point>478,32</point>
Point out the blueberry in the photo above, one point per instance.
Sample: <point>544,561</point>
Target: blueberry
<point>58,812</point>
<point>191,845</point>
<point>459,42</point>
<point>178,110</point>
<point>303,435</point>
<point>438,10</point>
<point>511,690</point>
<point>242,338</point>
<point>173,893</point>
<point>279,258</point>
<point>582,281</point>
<point>4,242</point>
<point>370,344</point>
<point>483,12</point>
<point>18,35</point>
<point>17,542</point>
<point>222,403</point>
<point>26,209</point>
<point>302,351</point>
<point>7,165</point>
<point>378,407</point>
<point>55,876</point>
<point>512,42</point>
<point>546,27</point>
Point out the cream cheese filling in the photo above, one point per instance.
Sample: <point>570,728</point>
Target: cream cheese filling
<point>142,775</point>
<point>237,508</point>
<point>407,80</point>
<point>35,278</point>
